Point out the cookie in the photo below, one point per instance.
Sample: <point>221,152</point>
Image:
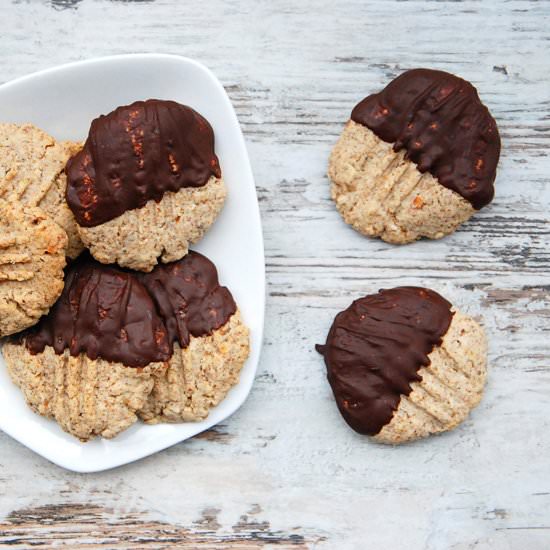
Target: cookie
<point>86,397</point>
<point>417,159</point>
<point>211,343</point>
<point>32,258</point>
<point>89,363</point>
<point>146,184</point>
<point>403,364</point>
<point>55,205</point>
<point>137,238</point>
<point>199,376</point>
<point>32,172</point>
<point>165,345</point>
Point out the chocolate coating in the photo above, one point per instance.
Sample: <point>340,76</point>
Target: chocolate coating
<point>135,154</point>
<point>440,121</point>
<point>103,312</point>
<point>130,317</point>
<point>375,349</point>
<point>189,298</point>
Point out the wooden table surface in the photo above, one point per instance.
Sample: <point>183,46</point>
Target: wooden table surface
<point>285,471</point>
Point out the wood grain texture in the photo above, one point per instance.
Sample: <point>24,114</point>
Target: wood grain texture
<point>294,70</point>
<point>85,526</point>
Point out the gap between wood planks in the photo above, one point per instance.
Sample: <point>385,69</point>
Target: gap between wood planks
<point>92,526</point>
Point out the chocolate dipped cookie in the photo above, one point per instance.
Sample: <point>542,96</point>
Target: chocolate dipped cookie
<point>415,160</point>
<point>210,341</point>
<point>89,363</point>
<point>146,184</point>
<point>404,364</point>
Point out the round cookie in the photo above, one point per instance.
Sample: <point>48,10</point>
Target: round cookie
<point>146,184</point>
<point>404,365</point>
<point>32,172</point>
<point>89,363</point>
<point>415,160</point>
<point>32,258</point>
<point>211,343</point>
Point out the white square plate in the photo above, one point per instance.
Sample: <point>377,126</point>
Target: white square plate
<point>63,101</point>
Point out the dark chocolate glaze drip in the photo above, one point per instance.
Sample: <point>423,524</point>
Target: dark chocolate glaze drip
<point>375,349</point>
<point>135,154</point>
<point>440,121</point>
<point>189,298</point>
<point>129,317</point>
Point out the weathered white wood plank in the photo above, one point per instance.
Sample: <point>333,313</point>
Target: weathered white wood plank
<point>285,471</point>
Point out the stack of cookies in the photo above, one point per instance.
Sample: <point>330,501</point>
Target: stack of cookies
<point>107,315</point>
